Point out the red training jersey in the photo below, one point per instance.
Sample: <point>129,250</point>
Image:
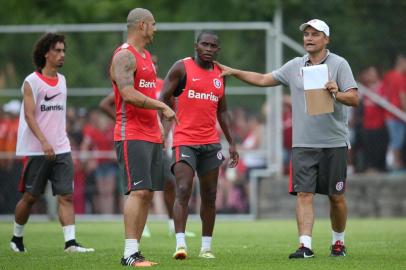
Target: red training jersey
<point>394,83</point>
<point>134,123</point>
<point>197,106</point>
<point>374,115</point>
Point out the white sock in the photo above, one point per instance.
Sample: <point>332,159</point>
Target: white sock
<point>180,240</point>
<point>69,232</point>
<point>171,225</point>
<point>306,241</point>
<point>206,243</point>
<point>18,230</point>
<point>131,247</point>
<point>338,237</point>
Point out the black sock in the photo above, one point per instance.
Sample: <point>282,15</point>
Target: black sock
<point>70,243</point>
<point>17,240</point>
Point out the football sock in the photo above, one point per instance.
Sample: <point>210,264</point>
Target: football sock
<point>18,230</point>
<point>306,241</point>
<point>131,247</point>
<point>171,225</point>
<point>69,232</point>
<point>338,237</point>
<point>180,240</point>
<point>206,243</point>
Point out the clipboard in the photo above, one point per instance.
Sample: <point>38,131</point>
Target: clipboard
<point>317,99</point>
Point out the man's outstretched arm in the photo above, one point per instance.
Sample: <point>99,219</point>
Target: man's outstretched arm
<point>254,78</point>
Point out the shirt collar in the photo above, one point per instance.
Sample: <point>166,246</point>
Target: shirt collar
<point>306,59</point>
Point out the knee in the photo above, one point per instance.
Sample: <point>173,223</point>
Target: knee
<point>183,193</point>
<point>65,199</point>
<point>29,199</point>
<point>142,195</point>
<point>305,197</point>
<point>337,199</point>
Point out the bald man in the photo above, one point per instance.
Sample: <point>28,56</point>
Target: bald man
<point>137,133</point>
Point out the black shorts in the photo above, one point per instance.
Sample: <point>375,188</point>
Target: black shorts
<point>38,170</point>
<point>202,158</point>
<point>140,164</point>
<point>318,170</point>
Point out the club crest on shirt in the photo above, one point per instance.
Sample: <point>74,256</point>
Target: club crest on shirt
<point>220,155</point>
<point>217,83</point>
<point>340,186</point>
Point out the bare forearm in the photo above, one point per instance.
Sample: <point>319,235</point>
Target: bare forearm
<point>348,98</point>
<point>32,124</point>
<point>136,98</point>
<point>108,110</point>
<point>253,78</point>
<point>225,123</point>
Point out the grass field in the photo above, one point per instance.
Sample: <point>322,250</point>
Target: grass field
<point>372,244</point>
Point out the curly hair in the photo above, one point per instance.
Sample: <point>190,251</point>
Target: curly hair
<point>43,45</point>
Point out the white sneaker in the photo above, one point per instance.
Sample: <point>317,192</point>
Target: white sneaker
<point>206,254</point>
<point>79,249</point>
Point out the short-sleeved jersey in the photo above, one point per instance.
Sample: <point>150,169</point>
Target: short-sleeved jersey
<point>373,114</point>
<point>394,83</point>
<point>319,131</point>
<point>50,115</point>
<point>197,106</point>
<point>134,123</point>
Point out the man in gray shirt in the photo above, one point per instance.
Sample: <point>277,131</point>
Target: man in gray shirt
<point>320,142</point>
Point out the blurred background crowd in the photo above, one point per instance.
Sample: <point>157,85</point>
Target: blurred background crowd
<point>97,181</point>
<point>370,36</point>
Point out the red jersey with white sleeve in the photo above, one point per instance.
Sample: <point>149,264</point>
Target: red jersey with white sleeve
<point>197,106</point>
<point>134,123</point>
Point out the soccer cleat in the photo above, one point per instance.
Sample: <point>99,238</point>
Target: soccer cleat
<point>73,246</point>
<point>338,249</point>
<point>137,260</point>
<point>206,254</point>
<point>17,245</point>
<point>180,253</point>
<point>302,253</point>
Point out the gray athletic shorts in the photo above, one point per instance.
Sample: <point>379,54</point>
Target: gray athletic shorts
<point>140,164</point>
<point>38,170</point>
<point>202,158</point>
<point>318,170</point>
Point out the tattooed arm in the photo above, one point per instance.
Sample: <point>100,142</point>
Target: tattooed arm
<point>122,72</point>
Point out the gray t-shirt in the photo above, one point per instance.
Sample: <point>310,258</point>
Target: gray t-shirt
<point>325,130</point>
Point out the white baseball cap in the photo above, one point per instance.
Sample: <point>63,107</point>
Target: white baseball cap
<point>317,24</point>
<point>12,106</point>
